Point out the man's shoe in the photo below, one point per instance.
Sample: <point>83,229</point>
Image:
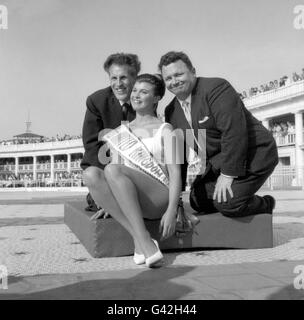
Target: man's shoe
<point>271,202</point>
<point>99,213</point>
<point>91,204</point>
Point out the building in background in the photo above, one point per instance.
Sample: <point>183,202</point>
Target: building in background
<point>282,111</point>
<point>31,160</point>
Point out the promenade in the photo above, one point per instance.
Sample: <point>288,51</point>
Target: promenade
<point>46,261</point>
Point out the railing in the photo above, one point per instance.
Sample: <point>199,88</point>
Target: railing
<point>282,93</point>
<point>289,139</point>
<point>75,164</point>
<point>41,183</point>
<point>42,166</point>
<point>283,177</point>
<point>25,167</point>
<point>286,177</point>
<point>60,165</point>
<point>42,146</point>
<point>286,140</point>
<point>7,167</point>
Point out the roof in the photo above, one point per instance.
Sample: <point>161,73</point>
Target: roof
<point>28,135</point>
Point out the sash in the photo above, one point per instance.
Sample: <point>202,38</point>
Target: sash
<point>132,149</point>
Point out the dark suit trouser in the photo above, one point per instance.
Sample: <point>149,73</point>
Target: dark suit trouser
<point>244,201</point>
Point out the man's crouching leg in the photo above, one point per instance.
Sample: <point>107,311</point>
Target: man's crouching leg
<point>243,203</point>
<point>246,206</point>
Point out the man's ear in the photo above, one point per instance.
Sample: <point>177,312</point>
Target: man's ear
<point>194,71</point>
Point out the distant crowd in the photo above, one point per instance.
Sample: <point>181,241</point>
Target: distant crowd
<point>282,128</point>
<point>272,85</point>
<point>63,138</point>
<point>63,179</point>
<point>11,162</point>
<point>41,176</point>
<point>41,140</point>
<point>7,165</point>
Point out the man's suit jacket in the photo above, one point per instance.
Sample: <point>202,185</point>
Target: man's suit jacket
<point>236,142</point>
<point>103,112</point>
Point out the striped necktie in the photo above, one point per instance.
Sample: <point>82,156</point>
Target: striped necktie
<point>187,112</point>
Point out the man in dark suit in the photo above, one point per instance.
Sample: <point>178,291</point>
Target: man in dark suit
<point>106,108</point>
<point>240,153</point>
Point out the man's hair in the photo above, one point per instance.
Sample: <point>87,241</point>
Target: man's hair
<point>174,56</point>
<point>156,81</point>
<point>122,59</point>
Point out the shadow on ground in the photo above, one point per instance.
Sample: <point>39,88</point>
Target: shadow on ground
<point>285,232</point>
<point>287,293</point>
<point>154,284</point>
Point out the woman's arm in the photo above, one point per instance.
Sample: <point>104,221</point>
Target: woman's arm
<point>172,156</point>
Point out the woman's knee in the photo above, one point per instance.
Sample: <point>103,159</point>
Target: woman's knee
<point>92,176</point>
<point>112,171</point>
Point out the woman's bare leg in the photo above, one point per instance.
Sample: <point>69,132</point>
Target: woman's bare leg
<point>138,196</point>
<point>101,193</point>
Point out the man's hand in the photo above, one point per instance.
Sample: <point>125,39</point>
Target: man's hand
<point>223,185</point>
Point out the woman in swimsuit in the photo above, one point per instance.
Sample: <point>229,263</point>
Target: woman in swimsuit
<point>137,194</point>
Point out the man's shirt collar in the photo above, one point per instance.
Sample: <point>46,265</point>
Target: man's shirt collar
<point>188,99</point>
<point>122,103</point>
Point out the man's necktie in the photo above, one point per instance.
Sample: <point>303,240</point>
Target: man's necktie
<point>192,155</point>
<point>187,112</point>
<point>125,109</point>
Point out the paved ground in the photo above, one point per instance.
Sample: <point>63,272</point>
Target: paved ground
<point>46,261</point>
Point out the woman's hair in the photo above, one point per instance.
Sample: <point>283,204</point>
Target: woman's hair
<point>156,81</point>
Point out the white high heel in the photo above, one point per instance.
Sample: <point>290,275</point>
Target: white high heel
<point>139,258</point>
<point>155,258</point>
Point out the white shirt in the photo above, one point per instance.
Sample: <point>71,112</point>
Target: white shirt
<point>187,113</point>
<point>189,119</point>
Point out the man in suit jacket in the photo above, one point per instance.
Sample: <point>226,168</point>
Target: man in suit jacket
<point>106,108</point>
<point>240,152</point>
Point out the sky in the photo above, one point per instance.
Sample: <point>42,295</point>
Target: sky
<point>52,53</point>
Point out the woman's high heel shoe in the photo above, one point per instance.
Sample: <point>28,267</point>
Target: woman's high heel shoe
<point>139,258</point>
<point>155,258</point>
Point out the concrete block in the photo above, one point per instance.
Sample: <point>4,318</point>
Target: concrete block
<point>106,238</point>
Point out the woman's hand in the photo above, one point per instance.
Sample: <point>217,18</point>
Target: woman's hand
<point>167,224</point>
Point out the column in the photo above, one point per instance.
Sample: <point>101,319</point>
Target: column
<point>69,162</point>
<point>16,166</point>
<point>299,151</point>
<point>34,168</point>
<point>52,168</point>
<point>266,123</point>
